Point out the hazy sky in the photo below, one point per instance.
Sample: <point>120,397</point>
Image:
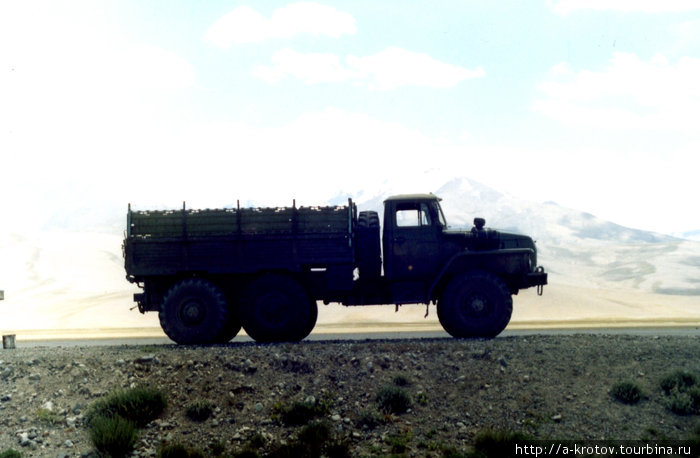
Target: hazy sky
<point>592,104</point>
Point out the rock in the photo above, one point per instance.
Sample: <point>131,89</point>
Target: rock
<point>148,359</point>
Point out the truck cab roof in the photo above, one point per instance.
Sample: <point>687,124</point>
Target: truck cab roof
<point>412,197</point>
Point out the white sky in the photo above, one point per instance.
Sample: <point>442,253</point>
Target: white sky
<point>591,104</point>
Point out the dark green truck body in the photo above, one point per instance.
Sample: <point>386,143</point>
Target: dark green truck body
<point>208,271</point>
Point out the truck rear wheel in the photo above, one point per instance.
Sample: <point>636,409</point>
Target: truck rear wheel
<point>276,308</point>
<point>476,304</point>
<point>230,329</point>
<point>194,311</point>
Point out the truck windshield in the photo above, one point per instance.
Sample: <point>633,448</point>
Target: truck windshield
<point>441,217</point>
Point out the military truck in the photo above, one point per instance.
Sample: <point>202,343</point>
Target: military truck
<point>208,272</point>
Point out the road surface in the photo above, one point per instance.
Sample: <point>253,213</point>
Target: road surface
<point>690,331</point>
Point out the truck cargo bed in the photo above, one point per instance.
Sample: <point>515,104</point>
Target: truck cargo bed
<point>237,240</point>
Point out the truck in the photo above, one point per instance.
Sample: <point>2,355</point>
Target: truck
<point>209,272</point>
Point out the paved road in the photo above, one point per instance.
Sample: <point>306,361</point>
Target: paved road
<point>359,336</point>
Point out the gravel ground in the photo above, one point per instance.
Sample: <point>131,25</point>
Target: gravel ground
<point>548,387</point>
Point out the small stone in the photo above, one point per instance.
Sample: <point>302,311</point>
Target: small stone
<point>145,359</point>
<point>258,407</point>
<point>68,443</point>
<point>336,417</point>
<point>24,439</point>
<point>556,418</point>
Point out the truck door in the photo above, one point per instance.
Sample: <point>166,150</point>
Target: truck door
<point>414,243</point>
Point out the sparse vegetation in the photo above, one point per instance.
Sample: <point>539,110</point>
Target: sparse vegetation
<point>369,419</point>
<point>393,399</point>
<point>627,392</point>
<point>401,380</point>
<point>313,440</point>
<point>399,442</point>
<point>113,436</point>
<point>179,451</point>
<point>10,453</point>
<point>48,416</point>
<point>450,403</point>
<point>114,420</point>
<point>139,405</point>
<point>300,413</point>
<point>199,411</point>
<point>683,391</point>
<point>680,379</point>
<point>497,443</point>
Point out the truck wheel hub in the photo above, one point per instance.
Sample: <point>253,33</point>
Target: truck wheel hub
<point>192,312</point>
<point>273,308</point>
<point>477,305</point>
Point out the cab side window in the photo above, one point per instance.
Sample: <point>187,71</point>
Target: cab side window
<point>412,215</point>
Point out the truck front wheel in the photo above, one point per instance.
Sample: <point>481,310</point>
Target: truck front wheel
<point>475,304</point>
<point>194,311</point>
<point>276,308</point>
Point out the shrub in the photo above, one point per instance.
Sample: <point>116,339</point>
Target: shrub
<point>680,402</point>
<point>313,440</point>
<point>314,436</point>
<point>256,441</point>
<point>48,416</point>
<point>199,411</point>
<point>300,413</point>
<point>627,392</point>
<point>246,454</point>
<point>680,379</point>
<point>368,419</point>
<point>401,380</point>
<point>399,442</point>
<point>694,394</point>
<point>497,443</point>
<point>138,405</point>
<point>10,453</point>
<point>178,451</point>
<point>393,399</point>
<point>217,448</point>
<point>113,436</point>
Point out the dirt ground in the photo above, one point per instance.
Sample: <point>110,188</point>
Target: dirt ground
<point>546,387</point>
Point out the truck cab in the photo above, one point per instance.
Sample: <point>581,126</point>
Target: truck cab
<point>469,274</point>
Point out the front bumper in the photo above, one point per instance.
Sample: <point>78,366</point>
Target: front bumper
<point>537,278</point>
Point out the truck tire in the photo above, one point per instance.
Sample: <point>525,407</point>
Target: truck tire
<point>194,311</point>
<point>475,304</point>
<point>230,329</point>
<point>369,252</point>
<point>276,308</point>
